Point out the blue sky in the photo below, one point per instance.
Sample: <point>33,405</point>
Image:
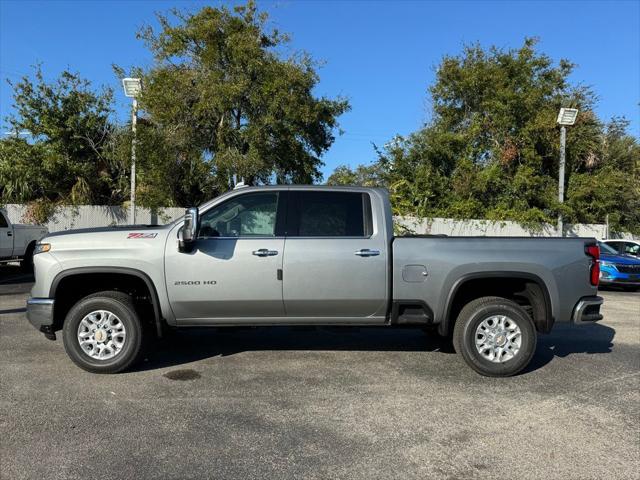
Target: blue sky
<point>381,55</point>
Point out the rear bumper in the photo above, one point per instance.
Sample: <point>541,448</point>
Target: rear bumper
<point>587,310</point>
<point>40,313</point>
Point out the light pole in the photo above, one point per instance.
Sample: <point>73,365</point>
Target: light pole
<point>132,88</point>
<point>567,116</point>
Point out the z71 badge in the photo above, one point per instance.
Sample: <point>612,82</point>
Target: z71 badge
<point>142,235</point>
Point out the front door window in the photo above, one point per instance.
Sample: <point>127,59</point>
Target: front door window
<point>251,215</point>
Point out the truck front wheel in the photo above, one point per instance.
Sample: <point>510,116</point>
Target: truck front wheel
<point>495,336</point>
<point>102,332</point>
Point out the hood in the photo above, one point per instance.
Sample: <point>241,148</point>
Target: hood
<point>619,259</point>
<point>118,228</point>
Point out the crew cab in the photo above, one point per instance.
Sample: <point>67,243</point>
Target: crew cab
<point>307,255</point>
<point>17,242</point>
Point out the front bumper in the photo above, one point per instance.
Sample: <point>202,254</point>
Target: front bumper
<point>619,281</point>
<point>612,276</point>
<point>40,315</point>
<point>587,310</point>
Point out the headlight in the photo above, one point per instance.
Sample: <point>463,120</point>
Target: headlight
<point>42,247</point>
<point>607,264</point>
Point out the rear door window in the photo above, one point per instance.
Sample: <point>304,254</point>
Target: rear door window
<point>329,214</point>
<point>631,248</point>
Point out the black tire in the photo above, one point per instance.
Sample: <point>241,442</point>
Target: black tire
<point>464,333</point>
<point>122,306</point>
<point>26,264</point>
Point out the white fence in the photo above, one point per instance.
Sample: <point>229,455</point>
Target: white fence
<point>87,216</point>
<point>464,228</point>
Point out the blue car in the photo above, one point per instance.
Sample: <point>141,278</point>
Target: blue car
<point>618,270</point>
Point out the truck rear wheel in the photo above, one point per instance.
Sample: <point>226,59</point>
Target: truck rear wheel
<point>102,333</point>
<point>495,336</point>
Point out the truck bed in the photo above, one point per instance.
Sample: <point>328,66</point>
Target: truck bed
<point>430,270</point>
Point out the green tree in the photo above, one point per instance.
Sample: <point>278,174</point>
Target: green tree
<point>610,183</point>
<point>67,159</point>
<point>374,175</point>
<point>226,103</point>
<point>491,148</point>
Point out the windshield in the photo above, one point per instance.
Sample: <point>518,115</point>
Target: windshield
<point>604,248</point>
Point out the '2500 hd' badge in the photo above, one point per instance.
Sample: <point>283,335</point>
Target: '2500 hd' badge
<point>142,235</point>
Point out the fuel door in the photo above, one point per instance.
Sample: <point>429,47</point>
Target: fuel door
<point>414,273</point>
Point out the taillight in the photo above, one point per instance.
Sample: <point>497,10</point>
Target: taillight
<point>594,252</point>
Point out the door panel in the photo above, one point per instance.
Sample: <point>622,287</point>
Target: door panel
<point>325,278</point>
<point>222,278</point>
<point>233,271</point>
<point>335,264</point>
<point>6,238</point>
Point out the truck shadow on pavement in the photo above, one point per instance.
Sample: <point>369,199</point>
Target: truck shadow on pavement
<point>196,344</point>
<point>567,339</point>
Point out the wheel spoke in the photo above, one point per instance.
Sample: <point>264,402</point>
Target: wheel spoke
<point>87,323</point>
<point>84,334</point>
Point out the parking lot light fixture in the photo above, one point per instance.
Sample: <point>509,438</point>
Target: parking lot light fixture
<point>566,117</point>
<point>132,88</point>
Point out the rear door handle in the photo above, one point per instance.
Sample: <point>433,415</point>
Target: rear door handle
<point>9,234</point>
<point>365,252</point>
<point>264,252</point>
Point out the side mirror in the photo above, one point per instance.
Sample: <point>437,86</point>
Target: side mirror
<point>189,231</point>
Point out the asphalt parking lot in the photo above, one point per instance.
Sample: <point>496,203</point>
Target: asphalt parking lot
<point>330,403</point>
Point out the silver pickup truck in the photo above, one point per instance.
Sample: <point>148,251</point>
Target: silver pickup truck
<point>306,255</point>
<point>17,242</point>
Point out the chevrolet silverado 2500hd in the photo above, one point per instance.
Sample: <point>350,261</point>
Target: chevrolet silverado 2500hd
<point>17,242</point>
<point>306,255</point>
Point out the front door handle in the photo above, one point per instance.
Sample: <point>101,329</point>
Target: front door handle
<point>264,252</point>
<point>365,252</point>
<point>9,234</point>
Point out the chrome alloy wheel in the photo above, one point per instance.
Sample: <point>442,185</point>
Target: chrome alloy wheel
<point>101,335</point>
<point>498,338</point>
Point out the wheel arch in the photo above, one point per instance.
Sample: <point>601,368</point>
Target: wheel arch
<point>122,272</point>
<point>29,249</point>
<point>536,291</point>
